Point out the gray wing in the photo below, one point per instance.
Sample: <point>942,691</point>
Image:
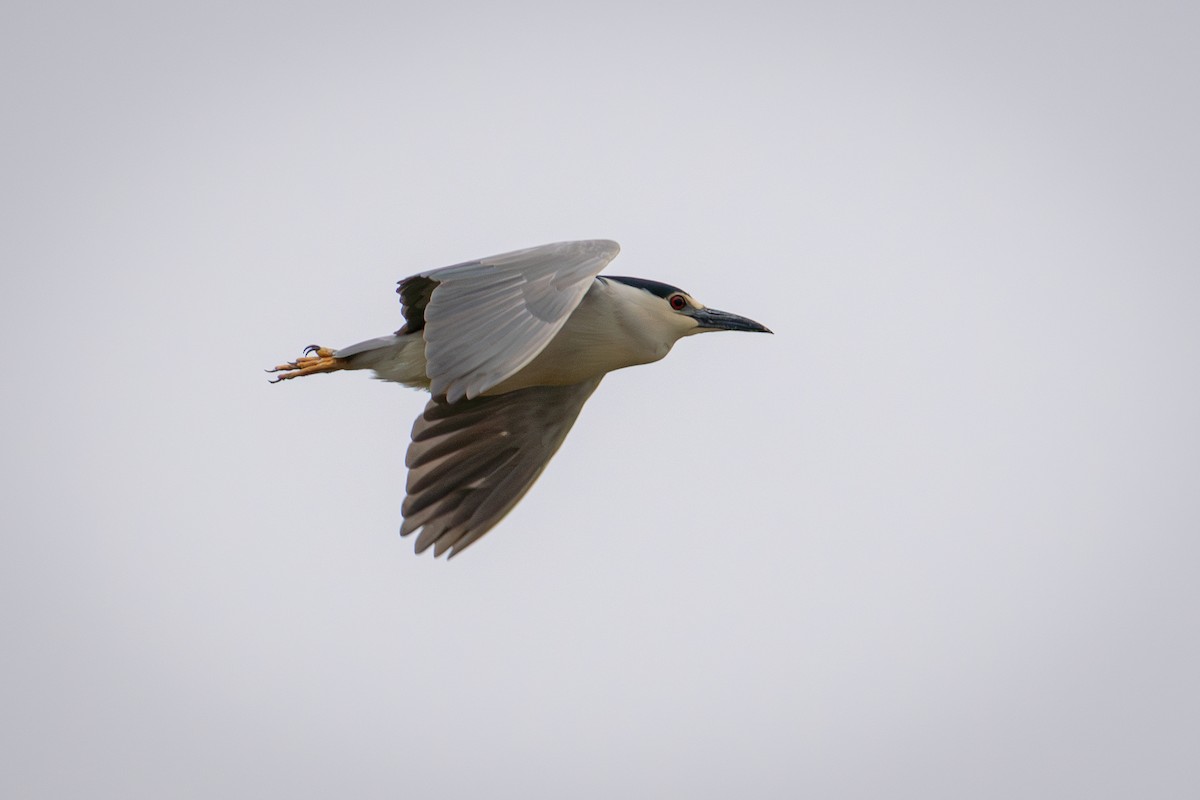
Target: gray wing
<point>470,462</point>
<point>484,320</point>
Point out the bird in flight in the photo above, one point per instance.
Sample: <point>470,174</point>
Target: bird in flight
<point>510,347</point>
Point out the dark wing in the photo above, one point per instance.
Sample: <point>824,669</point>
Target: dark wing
<point>471,461</point>
<point>484,320</point>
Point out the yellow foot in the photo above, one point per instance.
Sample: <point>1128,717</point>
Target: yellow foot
<point>315,359</point>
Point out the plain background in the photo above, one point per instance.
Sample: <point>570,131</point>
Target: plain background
<point>936,538</point>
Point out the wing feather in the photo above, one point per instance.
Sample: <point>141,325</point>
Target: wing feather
<point>484,320</point>
<point>471,461</point>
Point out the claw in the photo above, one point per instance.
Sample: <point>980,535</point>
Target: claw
<point>315,359</point>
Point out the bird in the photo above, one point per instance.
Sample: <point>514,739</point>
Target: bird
<point>509,347</point>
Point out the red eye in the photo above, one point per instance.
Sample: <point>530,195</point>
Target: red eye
<point>677,302</point>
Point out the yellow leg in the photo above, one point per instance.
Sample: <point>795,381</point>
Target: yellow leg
<point>315,359</point>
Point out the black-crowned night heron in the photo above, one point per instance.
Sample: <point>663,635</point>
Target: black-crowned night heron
<point>510,347</point>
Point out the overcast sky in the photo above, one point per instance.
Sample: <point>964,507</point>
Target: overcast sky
<point>936,538</point>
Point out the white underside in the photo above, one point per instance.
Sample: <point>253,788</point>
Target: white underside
<point>612,327</point>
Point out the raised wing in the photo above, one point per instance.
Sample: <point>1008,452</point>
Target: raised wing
<point>484,320</point>
<point>470,462</point>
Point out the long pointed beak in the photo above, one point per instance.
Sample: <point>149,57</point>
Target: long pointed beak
<point>710,319</point>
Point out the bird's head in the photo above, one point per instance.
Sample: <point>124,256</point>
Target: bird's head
<point>674,313</point>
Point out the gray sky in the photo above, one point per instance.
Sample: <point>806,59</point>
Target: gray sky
<point>936,538</point>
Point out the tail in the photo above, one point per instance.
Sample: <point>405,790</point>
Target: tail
<point>399,358</point>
